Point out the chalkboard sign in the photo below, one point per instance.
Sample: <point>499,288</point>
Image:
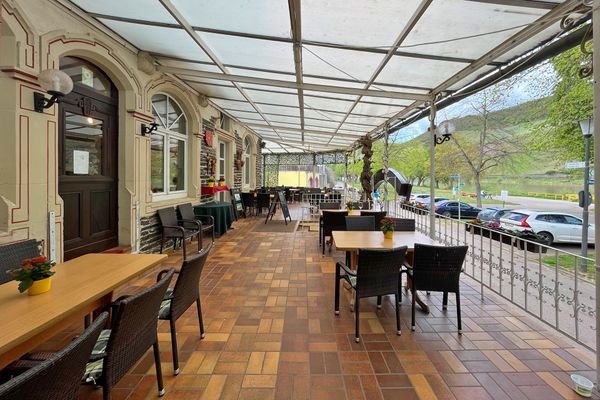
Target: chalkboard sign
<point>236,201</point>
<point>284,207</point>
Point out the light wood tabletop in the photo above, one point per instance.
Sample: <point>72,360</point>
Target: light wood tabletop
<point>350,212</point>
<point>79,287</point>
<point>354,240</point>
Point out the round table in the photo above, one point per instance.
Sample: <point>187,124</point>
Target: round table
<point>221,211</point>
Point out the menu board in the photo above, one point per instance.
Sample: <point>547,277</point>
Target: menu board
<point>284,207</point>
<point>236,201</point>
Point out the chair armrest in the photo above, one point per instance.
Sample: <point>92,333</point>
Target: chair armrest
<point>197,224</point>
<point>206,219</point>
<point>164,271</point>
<point>181,229</point>
<point>347,270</point>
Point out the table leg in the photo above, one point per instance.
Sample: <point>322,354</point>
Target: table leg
<point>423,306</point>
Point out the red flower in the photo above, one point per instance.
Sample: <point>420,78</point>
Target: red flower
<point>27,266</point>
<point>38,260</point>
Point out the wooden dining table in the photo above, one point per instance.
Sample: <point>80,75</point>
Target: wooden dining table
<point>352,241</point>
<point>79,287</point>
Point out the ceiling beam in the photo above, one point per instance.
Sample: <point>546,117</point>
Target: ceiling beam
<point>545,5</point>
<point>283,130</point>
<point>291,85</point>
<point>406,30</point>
<point>296,25</point>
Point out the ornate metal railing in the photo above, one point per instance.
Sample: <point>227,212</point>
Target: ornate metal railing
<point>544,281</point>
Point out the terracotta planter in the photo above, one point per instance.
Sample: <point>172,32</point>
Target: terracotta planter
<point>39,287</point>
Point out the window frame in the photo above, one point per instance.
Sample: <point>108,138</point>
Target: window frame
<point>167,135</point>
<point>247,157</point>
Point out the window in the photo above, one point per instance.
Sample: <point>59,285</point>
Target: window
<point>247,158</point>
<point>573,220</point>
<point>168,147</point>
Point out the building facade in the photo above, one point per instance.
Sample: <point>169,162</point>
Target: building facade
<point>86,175</point>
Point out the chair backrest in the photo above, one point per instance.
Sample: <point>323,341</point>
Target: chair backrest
<point>186,290</point>
<point>334,221</point>
<point>59,376</point>
<point>330,206</point>
<point>437,268</point>
<point>134,326</point>
<point>360,223</point>
<point>186,211</point>
<point>378,271</point>
<point>379,215</point>
<point>263,200</point>
<point>404,224</point>
<point>167,216</point>
<point>12,254</point>
<point>247,199</point>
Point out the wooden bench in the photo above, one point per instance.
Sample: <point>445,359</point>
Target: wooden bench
<point>12,254</point>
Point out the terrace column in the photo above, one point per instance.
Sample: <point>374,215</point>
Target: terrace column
<point>432,168</point>
<point>386,160</point>
<point>596,65</point>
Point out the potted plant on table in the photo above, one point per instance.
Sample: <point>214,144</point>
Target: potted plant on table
<point>34,275</point>
<point>387,227</point>
<point>222,181</point>
<point>349,205</point>
<point>211,181</point>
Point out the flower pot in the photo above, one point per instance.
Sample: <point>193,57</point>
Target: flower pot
<point>39,287</point>
<point>211,184</point>
<point>221,183</point>
<point>388,234</point>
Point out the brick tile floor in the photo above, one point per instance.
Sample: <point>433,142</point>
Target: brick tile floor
<point>272,334</point>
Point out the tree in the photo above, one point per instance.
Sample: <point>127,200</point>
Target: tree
<point>492,145</point>
<point>415,163</point>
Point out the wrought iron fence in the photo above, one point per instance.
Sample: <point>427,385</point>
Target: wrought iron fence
<point>544,281</point>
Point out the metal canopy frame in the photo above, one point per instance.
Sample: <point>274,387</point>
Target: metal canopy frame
<point>315,76</point>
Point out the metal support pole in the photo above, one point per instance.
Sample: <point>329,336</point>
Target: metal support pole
<point>432,169</point>
<point>586,205</point>
<point>596,83</point>
<point>386,156</point>
<point>346,176</point>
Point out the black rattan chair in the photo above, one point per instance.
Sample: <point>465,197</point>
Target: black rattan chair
<point>185,293</point>
<point>332,221</point>
<point>377,274</point>
<point>379,215</point>
<point>263,200</point>
<point>360,223</point>
<point>437,269</point>
<point>404,224</point>
<point>333,205</point>
<point>59,376</point>
<point>132,333</point>
<point>173,229</point>
<point>207,222</point>
<point>249,202</point>
<point>12,254</point>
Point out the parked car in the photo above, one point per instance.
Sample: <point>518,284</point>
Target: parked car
<point>451,208</point>
<point>424,203</point>
<point>338,186</point>
<point>552,227</point>
<point>492,214</point>
<point>416,197</point>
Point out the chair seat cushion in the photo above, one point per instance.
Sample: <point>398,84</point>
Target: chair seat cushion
<point>93,369</point>
<point>165,306</point>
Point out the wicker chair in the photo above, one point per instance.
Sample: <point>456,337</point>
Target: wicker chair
<point>59,376</point>
<point>404,224</point>
<point>332,221</point>
<point>249,202</point>
<point>132,333</point>
<point>172,229</point>
<point>207,222</point>
<point>437,269</point>
<point>362,223</point>
<point>332,205</point>
<point>182,296</point>
<point>379,215</point>
<point>377,274</point>
<point>12,254</point>
<point>263,200</point>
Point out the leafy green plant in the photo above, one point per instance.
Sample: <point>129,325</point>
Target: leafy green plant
<point>32,269</point>
<point>387,224</point>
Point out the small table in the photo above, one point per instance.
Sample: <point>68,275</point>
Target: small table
<point>221,211</point>
<point>80,286</point>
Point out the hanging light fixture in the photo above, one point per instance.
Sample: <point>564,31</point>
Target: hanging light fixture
<point>445,129</point>
<point>56,83</point>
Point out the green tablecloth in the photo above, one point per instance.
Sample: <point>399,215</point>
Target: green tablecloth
<point>222,213</point>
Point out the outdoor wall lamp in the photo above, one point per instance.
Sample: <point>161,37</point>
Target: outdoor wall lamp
<point>445,129</point>
<point>147,129</point>
<point>56,83</point>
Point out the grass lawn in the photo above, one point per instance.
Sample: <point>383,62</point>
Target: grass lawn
<point>566,262</point>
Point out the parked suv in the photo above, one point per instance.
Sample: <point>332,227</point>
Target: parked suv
<point>492,214</point>
<point>553,227</point>
<point>417,196</point>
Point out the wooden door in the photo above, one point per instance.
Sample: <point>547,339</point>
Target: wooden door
<point>88,172</point>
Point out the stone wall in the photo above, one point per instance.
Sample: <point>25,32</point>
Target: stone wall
<point>259,164</point>
<point>237,171</point>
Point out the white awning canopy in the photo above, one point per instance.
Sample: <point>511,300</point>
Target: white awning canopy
<point>323,73</point>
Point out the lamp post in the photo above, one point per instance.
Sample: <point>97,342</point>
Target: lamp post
<point>587,128</point>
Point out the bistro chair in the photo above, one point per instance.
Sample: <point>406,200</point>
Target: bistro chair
<point>377,274</point>
<point>58,376</point>
<point>334,205</point>
<point>360,223</point>
<point>179,298</point>
<point>207,222</point>
<point>379,215</point>
<point>437,269</point>
<point>263,200</point>
<point>249,202</point>
<point>173,229</point>
<point>332,221</point>
<point>404,224</point>
<point>12,254</point>
<point>132,333</point>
